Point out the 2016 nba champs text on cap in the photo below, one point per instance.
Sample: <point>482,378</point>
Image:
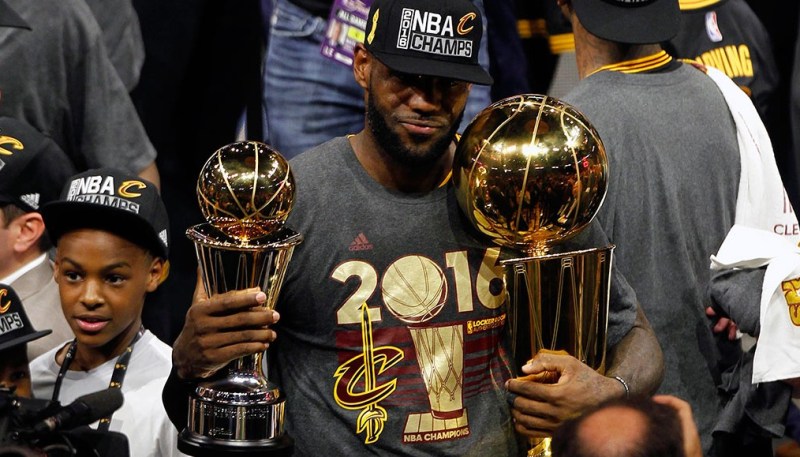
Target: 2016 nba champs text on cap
<point>114,201</point>
<point>630,21</point>
<point>432,38</point>
<point>15,328</point>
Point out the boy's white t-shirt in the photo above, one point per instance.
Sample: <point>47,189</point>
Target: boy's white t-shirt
<point>142,417</point>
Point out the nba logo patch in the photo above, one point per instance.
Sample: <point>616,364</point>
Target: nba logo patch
<point>712,28</point>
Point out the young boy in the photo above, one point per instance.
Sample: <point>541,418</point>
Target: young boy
<point>111,236</point>
<point>15,334</point>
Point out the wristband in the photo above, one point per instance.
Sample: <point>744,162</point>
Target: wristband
<point>625,385</point>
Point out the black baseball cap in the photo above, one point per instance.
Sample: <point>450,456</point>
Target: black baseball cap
<point>630,21</point>
<point>10,18</point>
<point>33,169</point>
<point>15,328</point>
<point>432,38</point>
<point>111,200</point>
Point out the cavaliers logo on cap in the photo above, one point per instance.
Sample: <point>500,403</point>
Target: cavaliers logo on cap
<point>374,26</point>
<point>4,306</point>
<point>127,187</point>
<point>462,29</point>
<point>12,142</point>
<point>790,293</point>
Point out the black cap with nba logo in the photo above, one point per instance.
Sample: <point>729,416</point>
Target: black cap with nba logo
<point>15,328</point>
<point>33,169</point>
<point>630,21</point>
<point>432,38</point>
<point>111,200</point>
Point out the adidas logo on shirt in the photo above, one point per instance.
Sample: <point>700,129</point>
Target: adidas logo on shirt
<point>31,199</point>
<point>361,243</point>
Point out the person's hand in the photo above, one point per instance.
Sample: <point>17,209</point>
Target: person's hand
<point>723,324</point>
<point>557,387</point>
<point>221,328</point>
<point>691,439</point>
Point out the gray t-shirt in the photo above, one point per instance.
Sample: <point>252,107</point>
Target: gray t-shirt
<point>58,78</point>
<point>399,280</point>
<point>122,37</point>
<point>674,174</point>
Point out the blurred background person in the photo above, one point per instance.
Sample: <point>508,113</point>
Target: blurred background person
<point>33,171</point>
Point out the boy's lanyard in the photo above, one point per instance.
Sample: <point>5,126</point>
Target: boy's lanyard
<point>120,368</point>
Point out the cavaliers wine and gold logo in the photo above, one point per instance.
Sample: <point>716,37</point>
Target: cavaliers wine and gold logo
<point>425,366</point>
<point>792,297</point>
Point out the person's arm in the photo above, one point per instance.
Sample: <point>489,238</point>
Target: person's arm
<point>558,387</point>
<point>151,174</point>
<point>637,358</point>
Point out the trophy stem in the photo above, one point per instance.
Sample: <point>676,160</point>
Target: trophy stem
<point>559,302</point>
<point>242,412</point>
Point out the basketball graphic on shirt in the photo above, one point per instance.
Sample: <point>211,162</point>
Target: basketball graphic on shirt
<point>246,190</point>
<point>414,289</point>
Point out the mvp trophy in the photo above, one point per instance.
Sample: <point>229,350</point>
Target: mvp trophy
<point>246,192</point>
<point>530,173</point>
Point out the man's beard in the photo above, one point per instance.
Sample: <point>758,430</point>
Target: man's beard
<point>391,142</point>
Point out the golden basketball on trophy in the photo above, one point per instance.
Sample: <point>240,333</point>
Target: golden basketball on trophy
<point>530,173</point>
<point>246,192</point>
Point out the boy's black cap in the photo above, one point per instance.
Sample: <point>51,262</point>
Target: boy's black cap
<point>10,18</point>
<point>33,169</point>
<point>630,21</point>
<point>16,329</point>
<point>111,200</point>
<point>424,37</point>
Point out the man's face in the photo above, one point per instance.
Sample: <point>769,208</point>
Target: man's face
<point>413,118</point>
<point>14,371</point>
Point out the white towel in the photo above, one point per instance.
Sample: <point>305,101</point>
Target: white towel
<point>761,201</point>
<point>778,351</point>
<point>765,233</point>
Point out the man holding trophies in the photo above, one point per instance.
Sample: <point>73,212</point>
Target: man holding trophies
<point>392,312</point>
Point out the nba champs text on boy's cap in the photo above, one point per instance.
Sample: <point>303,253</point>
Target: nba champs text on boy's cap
<point>33,169</point>
<point>423,37</point>
<point>114,201</point>
<point>15,328</point>
<point>630,21</point>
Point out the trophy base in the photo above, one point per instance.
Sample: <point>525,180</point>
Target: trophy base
<point>242,407</point>
<point>202,446</point>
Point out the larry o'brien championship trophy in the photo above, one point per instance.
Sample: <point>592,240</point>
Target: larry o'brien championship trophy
<point>246,191</point>
<point>531,172</point>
